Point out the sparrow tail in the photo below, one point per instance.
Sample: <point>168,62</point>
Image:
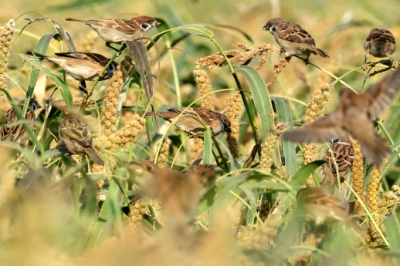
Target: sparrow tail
<point>322,53</point>
<point>94,156</point>
<point>75,19</point>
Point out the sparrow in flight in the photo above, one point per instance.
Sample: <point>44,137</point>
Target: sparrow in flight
<point>354,116</point>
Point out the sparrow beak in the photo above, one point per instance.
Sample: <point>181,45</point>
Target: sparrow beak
<point>265,27</point>
<point>156,23</point>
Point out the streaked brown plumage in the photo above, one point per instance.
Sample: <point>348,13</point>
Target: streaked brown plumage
<point>379,43</point>
<point>354,115</point>
<point>75,136</point>
<point>293,39</point>
<point>120,30</point>
<point>219,123</point>
<point>17,133</point>
<point>340,156</point>
<point>82,66</point>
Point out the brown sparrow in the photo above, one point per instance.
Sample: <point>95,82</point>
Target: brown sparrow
<point>380,43</point>
<point>319,205</point>
<point>218,122</point>
<point>339,159</point>
<point>75,136</point>
<point>340,156</point>
<point>81,66</point>
<point>293,39</point>
<point>354,115</point>
<point>120,30</point>
<point>17,133</point>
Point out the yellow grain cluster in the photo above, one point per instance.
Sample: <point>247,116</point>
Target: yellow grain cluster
<point>236,56</point>
<point>268,146</point>
<point>5,41</point>
<point>234,110</point>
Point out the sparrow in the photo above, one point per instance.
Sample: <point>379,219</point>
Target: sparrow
<point>81,66</point>
<point>293,39</point>
<point>340,155</point>
<point>218,122</point>
<point>75,136</point>
<point>380,43</point>
<point>339,159</point>
<point>120,30</point>
<point>319,205</point>
<point>354,116</point>
<point>17,133</point>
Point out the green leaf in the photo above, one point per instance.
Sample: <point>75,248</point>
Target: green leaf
<point>207,152</point>
<point>110,213</point>
<point>289,148</point>
<point>65,92</point>
<point>392,230</point>
<point>261,98</point>
<point>303,173</point>
<point>41,47</point>
<point>196,29</point>
<point>286,199</point>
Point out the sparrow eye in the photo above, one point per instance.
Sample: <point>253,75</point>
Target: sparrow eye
<point>272,28</point>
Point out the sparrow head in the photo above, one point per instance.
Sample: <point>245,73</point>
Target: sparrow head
<point>225,123</point>
<point>110,70</point>
<point>146,23</point>
<point>34,105</point>
<point>273,24</point>
<point>380,31</point>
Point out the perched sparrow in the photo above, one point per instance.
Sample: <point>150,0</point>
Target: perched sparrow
<point>293,39</point>
<point>319,205</point>
<point>81,66</point>
<point>120,30</point>
<point>76,137</point>
<point>339,159</point>
<point>17,133</point>
<point>380,43</point>
<point>218,122</point>
<point>353,115</point>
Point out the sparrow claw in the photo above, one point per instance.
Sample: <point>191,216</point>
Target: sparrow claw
<point>364,66</point>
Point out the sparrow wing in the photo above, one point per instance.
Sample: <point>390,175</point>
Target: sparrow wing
<point>321,130</point>
<point>380,95</point>
<point>373,146</point>
<point>92,57</point>
<point>128,26</point>
<point>294,33</point>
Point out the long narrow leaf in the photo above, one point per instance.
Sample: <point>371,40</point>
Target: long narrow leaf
<point>207,151</point>
<point>108,215</point>
<point>261,97</point>
<point>65,92</point>
<point>289,148</point>
<point>142,65</point>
